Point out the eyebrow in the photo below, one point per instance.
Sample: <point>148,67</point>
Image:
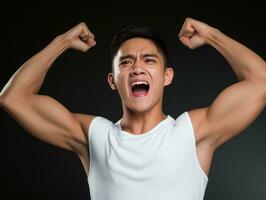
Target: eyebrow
<point>126,57</point>
<point>149,55</point>
<point>130,56</point>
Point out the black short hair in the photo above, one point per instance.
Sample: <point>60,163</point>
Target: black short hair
<point>135,31</point>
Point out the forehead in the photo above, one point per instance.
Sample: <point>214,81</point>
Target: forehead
<point>137,46</point>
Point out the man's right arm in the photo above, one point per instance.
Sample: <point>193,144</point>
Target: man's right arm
<point>42,116</point>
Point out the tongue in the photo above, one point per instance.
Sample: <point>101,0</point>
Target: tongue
<point>139,92</point>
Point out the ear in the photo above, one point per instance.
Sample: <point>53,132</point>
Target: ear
<point>111,81</point>
<point>168,77</point>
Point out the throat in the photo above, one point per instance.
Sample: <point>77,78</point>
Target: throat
<point>140,124</point>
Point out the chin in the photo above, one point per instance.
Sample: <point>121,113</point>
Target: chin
<point>140,107</point>
<point>139,110</point>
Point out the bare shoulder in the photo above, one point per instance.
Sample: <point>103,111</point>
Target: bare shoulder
<point>84,120</point>
<point>198,119</point>
<point>205,148</point>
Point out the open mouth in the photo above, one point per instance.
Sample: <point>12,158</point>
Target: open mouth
<point>140,88</point>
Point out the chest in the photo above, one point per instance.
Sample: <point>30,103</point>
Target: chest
<point>163,156</point>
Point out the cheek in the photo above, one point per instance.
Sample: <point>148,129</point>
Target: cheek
<point>159,78</point>
<point>121,83</point>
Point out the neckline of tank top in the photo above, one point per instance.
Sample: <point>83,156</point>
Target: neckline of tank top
<point>168,119</point>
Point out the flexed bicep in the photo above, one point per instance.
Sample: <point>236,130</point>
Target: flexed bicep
<point>40,115</point>
<point>46,119</point>
<point>238,105</point>
<point>233,110</point>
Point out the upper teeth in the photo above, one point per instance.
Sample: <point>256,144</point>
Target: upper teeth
<point>139,82</point>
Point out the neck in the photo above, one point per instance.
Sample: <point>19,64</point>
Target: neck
<point>141,122</point>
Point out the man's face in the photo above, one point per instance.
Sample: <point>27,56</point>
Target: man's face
<point>139,75</point>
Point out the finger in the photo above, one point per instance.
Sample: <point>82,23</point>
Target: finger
<point>188,34</point>
<point>85,32</point>
<point>90,42</point>
<point>187,31</point>
<point>86,37</point>
<point>187,28</point>
<point>82,46</point>
<point>185,41</point>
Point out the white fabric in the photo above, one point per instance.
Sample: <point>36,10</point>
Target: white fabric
<point>160,164</point>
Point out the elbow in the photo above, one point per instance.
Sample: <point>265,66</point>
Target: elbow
<point>9,95</point>
<point>264,84</point>
<point>4,95</point>
<point>260,80</point>
<point>7,99</point>
<point>264,73</point>
<point>265,93</point>
<point>264,90</point>
<point>10,98</point>
<point>3,100</point>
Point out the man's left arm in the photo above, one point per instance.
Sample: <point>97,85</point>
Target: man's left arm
<point>236,107</point>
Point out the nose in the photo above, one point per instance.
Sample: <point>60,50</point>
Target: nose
<point>137,70</point>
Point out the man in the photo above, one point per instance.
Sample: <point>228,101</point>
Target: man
<point>146,154</point>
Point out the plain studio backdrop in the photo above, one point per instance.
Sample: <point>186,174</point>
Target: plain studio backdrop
<point>32,169</point>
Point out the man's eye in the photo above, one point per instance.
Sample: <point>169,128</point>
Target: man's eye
<point>150,60</point>
<point>125,62</point>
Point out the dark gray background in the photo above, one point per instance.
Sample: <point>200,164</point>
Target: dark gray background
<point>32,169</point>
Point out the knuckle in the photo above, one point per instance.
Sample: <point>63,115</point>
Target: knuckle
<point>85,49</point>
<point>82,24</point>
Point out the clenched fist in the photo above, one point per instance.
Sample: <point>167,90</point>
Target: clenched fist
<point>194,33</point>
<point>79,37</point>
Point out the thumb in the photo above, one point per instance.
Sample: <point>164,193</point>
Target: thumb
<point>185,41</point>
<point>85,36</point>
<point>80,45</point>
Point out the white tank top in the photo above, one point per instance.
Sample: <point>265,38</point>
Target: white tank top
<point>160,164</point>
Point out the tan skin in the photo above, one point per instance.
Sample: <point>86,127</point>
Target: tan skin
<point>230,113</point>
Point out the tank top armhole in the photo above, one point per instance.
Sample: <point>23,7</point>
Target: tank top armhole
<point>90,132</point>
<point>194,146</point>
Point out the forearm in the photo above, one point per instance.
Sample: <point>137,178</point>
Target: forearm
<point>29,77</point>
<point>245,63</point>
